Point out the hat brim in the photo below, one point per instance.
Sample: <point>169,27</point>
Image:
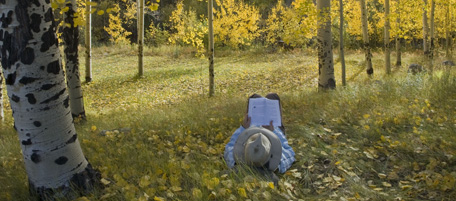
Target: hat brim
<point>276,146</point>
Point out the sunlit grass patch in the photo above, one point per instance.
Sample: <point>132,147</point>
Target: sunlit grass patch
<point>160,136</point>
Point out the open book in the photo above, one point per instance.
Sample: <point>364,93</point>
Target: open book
<point>263,110</point>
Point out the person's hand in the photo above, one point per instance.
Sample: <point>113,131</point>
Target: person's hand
<point>269,127</point>
<point>246,122</point>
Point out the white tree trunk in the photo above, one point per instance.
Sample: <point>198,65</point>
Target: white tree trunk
<point>326,78</point>
<point>387,38</point>
<point>88,42</point>
<point>140,37</point>
<point>341,40</point>
<point>447,31</point>
<point>211,48</point>
<point>398,37</point>
<point>2,116</point>
<point>425,30</point>
<point>36,88</point>
<point>368,55</point>
<point>71,40</point>
<point>432,30</point>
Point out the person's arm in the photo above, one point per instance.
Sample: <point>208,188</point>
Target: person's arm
<point>228,155</point>
<point>288,154</point>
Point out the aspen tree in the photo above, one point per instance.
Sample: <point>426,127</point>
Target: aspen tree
<point>39,100</point>
<point>326,78</point>
<point>1,97</point>
<point>88,41</point>
<point>140,37</point>
<point>71,39</point>
<point>341,40</point>
<point>432,30</point>
<point>425,30</point>
<point>387,38</point>
<point>368,55</point>
<point>447,30</point>
<point>211,47</point>
<point>398,34</point>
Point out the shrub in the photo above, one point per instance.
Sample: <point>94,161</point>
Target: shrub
<point>235,23</point>
<point>187,29</point>
<point>117,33</point>
<point>293,25</point>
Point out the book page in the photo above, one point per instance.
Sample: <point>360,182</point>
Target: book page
<point>263,110</point>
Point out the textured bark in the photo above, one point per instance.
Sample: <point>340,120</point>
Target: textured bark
<point>432,30</point>
<point>341,41</point>
<point>398,37</point>
<point>2,116</point>
<point>88,42</point>
<point>211,48</point>
<point>71,39</point>
<point>140,37</point>
<point>36,89</point>
<point>366,46</point>
<point>425,30</point>
<point>326,78</point>
<point>447,32</point>
<point>386,39</point>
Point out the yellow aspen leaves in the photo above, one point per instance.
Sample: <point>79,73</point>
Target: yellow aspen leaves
<point>145,181</point>
<point>153,7</point>
<point>242,192</point>
<point>188,29</point>
<point>271,185</point>
<point>211,183</point>
<point>159,198</point>
<point>118,33</point>
<point>196,193</point>
<point>235,23</point>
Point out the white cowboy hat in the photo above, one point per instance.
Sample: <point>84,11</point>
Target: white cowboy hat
<point>258,146</point>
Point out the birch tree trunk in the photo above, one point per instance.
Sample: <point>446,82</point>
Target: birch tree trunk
<point>341,41</point>
<point>425,30</point>
<point>36,88</point>
<point>140,38</point>
<point>366,46</point>
<point>398,35</point>
<point>71,39</point>
<point>88,42</point>
<point>326,78</point>
<point>211,48</point>
<point>387,38</point>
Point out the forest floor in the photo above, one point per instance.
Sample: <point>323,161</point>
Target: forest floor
<point>160,137</point>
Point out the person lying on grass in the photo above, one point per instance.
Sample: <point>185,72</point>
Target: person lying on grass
<point>263,147</point>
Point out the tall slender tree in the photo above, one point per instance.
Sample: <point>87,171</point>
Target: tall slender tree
<point>398,34</point>
<point>366,45</point>
<point>1,97</point>
<point>211,47</point>
<point>447,30</point>
<point>386,39</point>
<point>39,100</point>
<point>71,39</point>
<point>88,41</point>
<point>425,30</point>
<point>326,78</point>
<point>341,40</point>
<point>432,30</point>
<point>140,37</point>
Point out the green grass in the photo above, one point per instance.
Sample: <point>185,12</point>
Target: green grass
<point>380,138</point>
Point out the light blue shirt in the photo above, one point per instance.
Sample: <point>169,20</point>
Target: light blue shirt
<point>287,152</point>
